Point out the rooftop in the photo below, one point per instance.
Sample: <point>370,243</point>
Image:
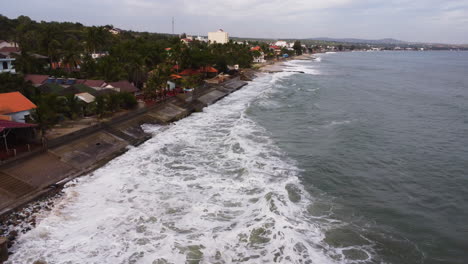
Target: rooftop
<point>5,124</point>
<point>14,102</point>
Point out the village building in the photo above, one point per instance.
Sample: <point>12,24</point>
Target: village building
<point>115,31</point>
<point>124,87</point>
<point>6,63</point>
<point>259,58</point>
<point>4,44</point>
<point>85,97</point>
<point>97,55</point>
<point>36,79</point>
<point>7,58</point>
<point>281,43</point>
<point>15,107</point>
<point>219,37</point>
<point>201,38</point>
<point>186,41</point>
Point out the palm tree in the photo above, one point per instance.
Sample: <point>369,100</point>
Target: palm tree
<point>71,54</point>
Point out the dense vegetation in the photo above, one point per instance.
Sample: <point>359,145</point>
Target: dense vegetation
<point>53,108</point>
<point>131,54</point>
<point>139,57</point>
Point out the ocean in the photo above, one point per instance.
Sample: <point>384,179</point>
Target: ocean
<point>363,158</point>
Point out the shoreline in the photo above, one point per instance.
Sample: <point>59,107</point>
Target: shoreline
<point>20,215</point>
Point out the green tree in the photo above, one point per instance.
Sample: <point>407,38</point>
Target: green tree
<point>297,47</point>
<point>157,81</point>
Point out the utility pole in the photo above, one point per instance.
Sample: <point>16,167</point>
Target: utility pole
<point>172,25</point>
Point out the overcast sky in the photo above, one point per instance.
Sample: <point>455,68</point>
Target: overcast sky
<point>444,21</point>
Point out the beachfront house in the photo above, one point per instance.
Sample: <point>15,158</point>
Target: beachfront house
<point>15,107</point>
<point>258,55</point>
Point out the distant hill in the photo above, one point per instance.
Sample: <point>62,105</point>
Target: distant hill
<point>362,41</point>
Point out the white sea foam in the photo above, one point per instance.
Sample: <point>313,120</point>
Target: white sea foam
<point>211,188</point>
<point>301,66</point>
<point>318,59</point>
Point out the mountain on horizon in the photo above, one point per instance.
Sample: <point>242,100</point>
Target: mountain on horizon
<point>363,41</point>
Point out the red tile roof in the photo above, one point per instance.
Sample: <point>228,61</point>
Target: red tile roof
<point>125,86</point>
<point>189,72</point>
<point>36,79</point>
<point>256,48</point>
<point>5,124</point>
<point>14,102</point>
<point>175,76</point>
<point>208,69</point>
<point>95,83</point>
<point>10,49</point>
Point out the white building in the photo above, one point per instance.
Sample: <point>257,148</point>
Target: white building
<point>202,39</point>
<point>97,55</point>
<point>260,58</point>
<point>4,43</point>
<point>219,37</point>
<point>281,43</point>
<point>6,63</point>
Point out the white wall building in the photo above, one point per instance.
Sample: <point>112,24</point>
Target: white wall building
<point>281,43</point>
<point>260,59</point>
<point>6,63</point>
<point>4,43</point>
<point>219,37</point>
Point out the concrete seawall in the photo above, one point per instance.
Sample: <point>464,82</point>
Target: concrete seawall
<point>78,153</point>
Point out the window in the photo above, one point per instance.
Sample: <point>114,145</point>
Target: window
<point>5,65</point>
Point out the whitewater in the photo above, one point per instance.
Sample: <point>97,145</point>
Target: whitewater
<point>211,188</point>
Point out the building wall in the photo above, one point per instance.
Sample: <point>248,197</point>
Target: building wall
<point>218,37</point>
<point>9,65</point>
<point>19,116</point>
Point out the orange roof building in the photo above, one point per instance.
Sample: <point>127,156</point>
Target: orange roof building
<point>16,106</point>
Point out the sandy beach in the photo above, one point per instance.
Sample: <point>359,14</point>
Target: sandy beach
<point>278,66</point>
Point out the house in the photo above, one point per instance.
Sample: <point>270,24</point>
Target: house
<point>36,79</point>
<point>4,43</point>
<point>85,97</point>
<point>259,58</point>
<point>97,55</point>
<point>6,63</point>
<point>124,86</point>
<point>115,31</point>
<point>201,39</point>
<point>7,58</point>
<point>96,84</point>
<point>170,85</point>
<point>281,43</point>
<point>186,41</point>
<point>219,37</point>
<point>16,138</point>
<point>15,107</point>
<point>77,89</point>
<point>276,49</point>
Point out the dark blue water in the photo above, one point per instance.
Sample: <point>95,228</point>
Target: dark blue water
<point>382,139</point>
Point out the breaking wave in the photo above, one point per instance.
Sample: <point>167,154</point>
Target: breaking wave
<point>302,66</point>
<point>212,188</point>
